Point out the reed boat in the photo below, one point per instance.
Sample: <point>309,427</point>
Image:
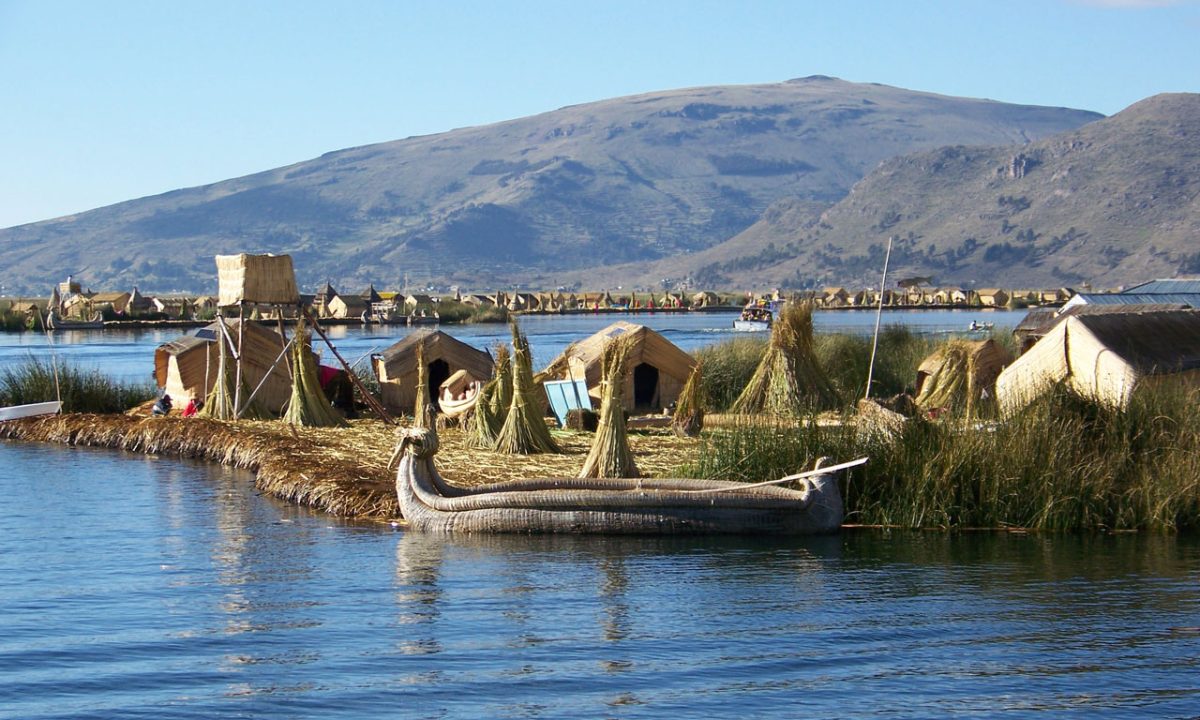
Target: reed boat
<point>630,506</point>
<point>458,393</point>
<point>16,412</point>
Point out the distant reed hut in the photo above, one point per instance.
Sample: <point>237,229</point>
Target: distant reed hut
<point>655,371</point>
<point>1108,357</point>
<point>396,367</point>
<point>186,368</point>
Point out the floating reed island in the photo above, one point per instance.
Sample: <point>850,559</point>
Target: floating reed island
<point>341,471</point>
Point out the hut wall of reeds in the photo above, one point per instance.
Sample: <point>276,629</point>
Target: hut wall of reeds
<point>396,367</point>
<point>985,358</point>
<point>1107,357</point>
<point>656,369</point>
<point>265,279</point>
<point>186,367</point>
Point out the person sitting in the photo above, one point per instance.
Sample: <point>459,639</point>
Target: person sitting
<point>163,406</point>
<point>193,407</point>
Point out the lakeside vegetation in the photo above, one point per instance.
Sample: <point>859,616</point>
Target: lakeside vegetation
<point>81,390</point>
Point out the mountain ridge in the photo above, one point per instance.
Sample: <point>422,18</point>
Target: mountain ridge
<point>634,179</point>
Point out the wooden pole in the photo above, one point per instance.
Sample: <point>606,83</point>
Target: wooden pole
<point>878,316</point>
<point>367,397</point>
<point>237,389</point>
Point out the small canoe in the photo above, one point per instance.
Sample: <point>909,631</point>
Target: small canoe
<point>16,412</point>
<point>619,507</point>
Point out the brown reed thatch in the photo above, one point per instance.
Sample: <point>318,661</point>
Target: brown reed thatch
<point>308,406</point>
<point>609,456</point>
<point>688,419</point>
<point>491,408</point>
<point>789,381</point>
<point>266,279</point>
<point>525,431</point>
<point>955,375</point>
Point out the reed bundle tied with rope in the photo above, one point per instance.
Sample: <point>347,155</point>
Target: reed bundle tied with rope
<point>487,417</point>
<point>220,403</point>
<point>688,418</point>
<point>423,411</point>
<point>308,405</point>
<point>789,381</point>
<point>525,431</point>
<point>610,456</point>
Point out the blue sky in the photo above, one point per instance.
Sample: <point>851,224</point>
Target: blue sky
<point>108,101</point>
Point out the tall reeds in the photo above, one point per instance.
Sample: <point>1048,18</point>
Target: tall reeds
<point>524,431</point>
<point>82,390</point>
<point>610,456</point>
<point>728,367</point>
<point>789,381</point>
<point>1063,463</point>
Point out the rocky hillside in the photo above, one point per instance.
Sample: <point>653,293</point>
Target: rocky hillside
<point>1112,203</point>
<point>633,179</point>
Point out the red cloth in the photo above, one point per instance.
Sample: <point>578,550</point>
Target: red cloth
<point>325,374</point>
<point>190,410</point>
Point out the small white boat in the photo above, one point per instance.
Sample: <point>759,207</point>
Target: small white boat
<point>756,318</point>
<point>16,412</point>
<point>458,393</point>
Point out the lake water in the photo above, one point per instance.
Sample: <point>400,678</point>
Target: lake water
<point>143,587</point>
<point>129,354</point>
<point>140,587</point>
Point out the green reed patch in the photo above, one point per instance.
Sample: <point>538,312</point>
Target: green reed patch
<point>1063,463</point>
<point>82,390</point>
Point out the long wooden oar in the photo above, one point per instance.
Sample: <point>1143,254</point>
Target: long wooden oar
<point>789,478</point>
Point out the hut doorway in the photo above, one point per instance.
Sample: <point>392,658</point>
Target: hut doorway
<point>645,387</point>
<point>439,372</point>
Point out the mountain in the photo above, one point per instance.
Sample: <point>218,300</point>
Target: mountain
<point>1113,203</point>
<point>631,179</point>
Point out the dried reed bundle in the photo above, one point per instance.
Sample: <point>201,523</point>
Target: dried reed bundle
<point>219,404</point>
<point>308,405</point>
<point>688,419</point>
<point>423,412</point>
<point>610,456</point>
<point>789,381</point>
<point>524,430</point>
<point>491,408</point>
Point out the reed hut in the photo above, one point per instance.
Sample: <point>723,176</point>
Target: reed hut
<point>655,373</point>
<point>186,368</point>
<point>256,279</point>
<point>959,373</point>
<point>396,367</point>
<point>1040,321</point>
<point>1108,357</point>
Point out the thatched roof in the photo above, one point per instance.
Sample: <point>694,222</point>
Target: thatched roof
<point>1106,355</point>
<point>370,295</point>
<point>1040,321</point>
<point>935,385</point>
<point>647,347</point>
<point>266,279</point>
